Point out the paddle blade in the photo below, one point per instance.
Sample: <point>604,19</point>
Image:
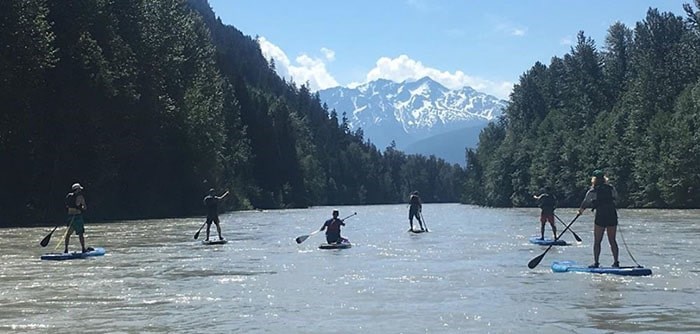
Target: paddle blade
<point>578,239</point>
<point>302,238</point>
<point>46,239</point>
<point>44,242</point>
<point>534,262</point>
<point>196,235</point>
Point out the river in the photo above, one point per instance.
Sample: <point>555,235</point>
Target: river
<point>469,275</point>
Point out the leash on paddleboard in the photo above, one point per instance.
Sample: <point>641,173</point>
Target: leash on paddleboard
<point>622,236</point>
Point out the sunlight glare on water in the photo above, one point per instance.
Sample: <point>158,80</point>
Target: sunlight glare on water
<point>469,275</point>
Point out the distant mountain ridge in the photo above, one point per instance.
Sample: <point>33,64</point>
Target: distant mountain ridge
<point>409,112</point>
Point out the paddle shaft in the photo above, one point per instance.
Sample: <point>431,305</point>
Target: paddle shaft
<point>534,262</point>
<point>423,219</point>
<point>570,230</point>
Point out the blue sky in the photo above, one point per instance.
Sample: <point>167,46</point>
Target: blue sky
<point>483,44</point>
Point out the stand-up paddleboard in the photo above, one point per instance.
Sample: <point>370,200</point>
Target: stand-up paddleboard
<point>571,266</point>
<point>417,231</point>
<point>342,245</point>
<point>214,242</point>
<point>74,255</point>
<point>547,241</point>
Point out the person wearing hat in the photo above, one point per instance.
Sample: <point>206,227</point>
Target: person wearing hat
<point>414,210</point>
<point>547,203</point>
<point>601,198</point>
<point>332,227</point>
<point>75,204</point>
<point>211,202</point>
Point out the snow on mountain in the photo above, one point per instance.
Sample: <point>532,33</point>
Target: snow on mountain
<point>408,112</point>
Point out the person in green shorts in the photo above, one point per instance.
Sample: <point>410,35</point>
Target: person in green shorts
<point>75,204</point>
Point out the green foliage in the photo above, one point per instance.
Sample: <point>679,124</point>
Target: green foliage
<point>150,103</point>
<point>631,110</point>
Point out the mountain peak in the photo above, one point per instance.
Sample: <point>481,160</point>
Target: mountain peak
<point>410,111</point>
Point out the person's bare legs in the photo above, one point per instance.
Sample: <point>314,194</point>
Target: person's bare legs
<point>612,240</point>
<point>598,238</point>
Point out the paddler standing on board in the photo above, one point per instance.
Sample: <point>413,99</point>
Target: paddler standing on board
<point>414,210</point>
<point>75,204</point>
<point>211,201</point>
<point>601,197</point>
<point>547,203</point>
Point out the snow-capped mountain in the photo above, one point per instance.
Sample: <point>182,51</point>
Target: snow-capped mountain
<point>409,112</point>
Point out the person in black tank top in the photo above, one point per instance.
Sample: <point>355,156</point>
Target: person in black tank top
<point>601,198</point>
<point>211,202</point>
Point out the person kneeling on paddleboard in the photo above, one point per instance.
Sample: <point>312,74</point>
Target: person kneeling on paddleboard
<point>332,227</point>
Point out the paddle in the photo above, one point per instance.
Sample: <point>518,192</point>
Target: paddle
<point>570,230</point>
<point>196,235</point>
<point>534,262</point>
<point>44,242</point>
<point>423,219</point>
<point>303,238</point>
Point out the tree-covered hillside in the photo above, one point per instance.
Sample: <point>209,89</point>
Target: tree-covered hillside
<point>631,108</point>
<point>150,103</point>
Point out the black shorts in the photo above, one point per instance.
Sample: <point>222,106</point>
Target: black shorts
<point>214,219</point>
<point>606,218</point>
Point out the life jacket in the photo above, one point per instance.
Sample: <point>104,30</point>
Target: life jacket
<point>70,200</point>
<point>604,197</point>
<point>547,202</point>
<point>333,226</point>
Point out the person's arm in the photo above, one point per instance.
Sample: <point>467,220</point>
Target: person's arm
<point>324,226</point>
<point>586,201</point>
<point>537,196</point>
<point>224,195</point>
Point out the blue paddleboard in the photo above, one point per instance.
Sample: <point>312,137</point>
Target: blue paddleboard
<point>571,266</point>
<point>341,245</point>
<point>99,251</point>
<point>547,241</point>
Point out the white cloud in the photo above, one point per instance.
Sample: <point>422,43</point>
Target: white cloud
<point>403,68</point>
<point>328,53</point>
<point>304,68</point>
<point>307,68</point>
<point>566,41</point>
<point>505,26</point>
<point>518,32</point>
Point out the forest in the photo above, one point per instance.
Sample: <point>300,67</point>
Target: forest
<point>630,108</point>
<point>149,104</point>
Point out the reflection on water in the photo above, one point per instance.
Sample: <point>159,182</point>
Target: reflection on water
<point>468,275</point>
